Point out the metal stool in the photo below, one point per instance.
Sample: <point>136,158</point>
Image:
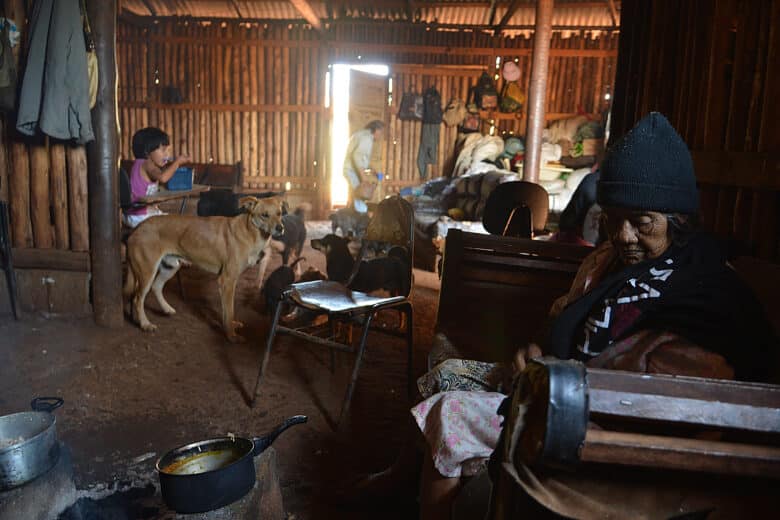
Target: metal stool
<point>6,261</point>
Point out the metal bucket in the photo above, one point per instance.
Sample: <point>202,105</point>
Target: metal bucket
<point>28,443</point>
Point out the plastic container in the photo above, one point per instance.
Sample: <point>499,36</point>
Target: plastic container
<point>181,180</point>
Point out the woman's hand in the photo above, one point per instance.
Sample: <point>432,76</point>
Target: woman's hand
<point>525,354</point>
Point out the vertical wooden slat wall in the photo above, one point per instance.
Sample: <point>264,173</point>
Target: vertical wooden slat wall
<point>255,92</point>
<point>712,70</point>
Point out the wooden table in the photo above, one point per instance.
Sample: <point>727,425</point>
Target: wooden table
<point>164,195</point>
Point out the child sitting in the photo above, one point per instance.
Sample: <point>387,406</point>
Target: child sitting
<point>152,165</point>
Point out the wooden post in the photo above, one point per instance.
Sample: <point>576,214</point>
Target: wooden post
<point>77,197</point>
<point>39,196</point>
<point>537,90</point>
<point>19,195</point>
<point>59,196</point>
<point>103,162</point>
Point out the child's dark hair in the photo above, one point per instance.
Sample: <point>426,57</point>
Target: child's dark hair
<point>147,140</point>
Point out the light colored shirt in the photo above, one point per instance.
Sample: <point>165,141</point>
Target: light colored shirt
<point>358,157</point>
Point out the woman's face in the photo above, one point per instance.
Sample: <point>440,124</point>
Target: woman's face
<point>637,235</point>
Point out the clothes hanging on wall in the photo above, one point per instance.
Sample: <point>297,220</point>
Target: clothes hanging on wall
<point>429,148</point>
<point>55,89</point>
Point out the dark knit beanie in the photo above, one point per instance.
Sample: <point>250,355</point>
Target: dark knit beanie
<point>650,169</point>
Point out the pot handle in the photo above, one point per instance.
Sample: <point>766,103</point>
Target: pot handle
<point>46,404</point>
<point>261,443</point>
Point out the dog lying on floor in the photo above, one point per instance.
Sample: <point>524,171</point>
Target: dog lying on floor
<point>220,245</point>
<point>390,272</point>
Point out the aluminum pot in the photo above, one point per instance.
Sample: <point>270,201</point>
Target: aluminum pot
<point>28,443</point>
<point>207,475</point>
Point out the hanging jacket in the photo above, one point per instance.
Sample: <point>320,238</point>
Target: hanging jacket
<point>55,90</point>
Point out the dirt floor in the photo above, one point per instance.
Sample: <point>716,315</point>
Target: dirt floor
<point>130,396</point>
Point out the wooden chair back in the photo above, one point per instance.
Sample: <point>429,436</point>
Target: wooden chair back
<point>496,291</point>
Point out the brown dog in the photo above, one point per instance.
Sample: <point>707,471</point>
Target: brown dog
<point>221,245</point>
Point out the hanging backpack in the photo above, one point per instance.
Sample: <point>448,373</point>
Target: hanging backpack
<point>512,97</point>
<point>432,113</point>
<point>7,71</point>
<point>411,108</point>
<point>485,94</point>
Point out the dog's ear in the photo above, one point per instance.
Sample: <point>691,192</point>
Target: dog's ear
<point>285,207</point>
<point>248,203</point>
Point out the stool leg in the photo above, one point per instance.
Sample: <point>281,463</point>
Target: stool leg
<point>356,368</point>
<point>267,355</point>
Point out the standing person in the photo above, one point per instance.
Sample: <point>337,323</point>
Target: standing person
<point>152,165</point>
<point>358,159</point>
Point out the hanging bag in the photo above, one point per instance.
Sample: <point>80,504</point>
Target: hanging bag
<point>486,95</point>
<point>471,122</point>
<point>411,108</point>
<point>92,63</point>
<point>512,98</point>
<point>432,113</point>
<point>455,112</point>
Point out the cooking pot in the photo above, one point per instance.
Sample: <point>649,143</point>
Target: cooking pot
<point>28,443</point>
<point>210,474</point>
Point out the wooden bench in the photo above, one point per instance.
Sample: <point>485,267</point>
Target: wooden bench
<point>496,291</point>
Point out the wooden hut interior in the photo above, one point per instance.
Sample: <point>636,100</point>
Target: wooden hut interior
<point>427,262</point>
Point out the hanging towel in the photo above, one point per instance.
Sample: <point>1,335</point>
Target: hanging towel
<point>55,89</point>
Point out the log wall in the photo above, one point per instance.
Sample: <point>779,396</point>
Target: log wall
<point>255,92</point>
<point>711,68</point>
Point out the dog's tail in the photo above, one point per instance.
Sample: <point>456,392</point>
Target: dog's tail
<point>302,209</point>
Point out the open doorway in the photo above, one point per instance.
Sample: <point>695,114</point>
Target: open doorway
<point>359,95</point>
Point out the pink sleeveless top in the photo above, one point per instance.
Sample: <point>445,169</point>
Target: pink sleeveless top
<point>139,187</point>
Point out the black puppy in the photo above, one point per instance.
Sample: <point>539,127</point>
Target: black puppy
<point>338,259</point>
<point>390,273</point>
<point>351,223</point>
<point>277,283</point>
<point>290,242</point>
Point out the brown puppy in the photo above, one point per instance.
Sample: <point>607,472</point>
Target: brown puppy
<point>221,245</point>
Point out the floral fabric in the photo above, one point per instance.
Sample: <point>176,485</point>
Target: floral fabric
<point>461,429</point>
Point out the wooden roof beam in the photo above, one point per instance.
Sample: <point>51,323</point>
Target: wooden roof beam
<point>236,9</point>
<point>492,11</point>
<point>613,12</point>
<point>149,7</point>
<point>306,10</point>
<point>510,11</point>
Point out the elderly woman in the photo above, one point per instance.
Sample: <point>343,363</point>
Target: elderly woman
<point>656,297</point>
